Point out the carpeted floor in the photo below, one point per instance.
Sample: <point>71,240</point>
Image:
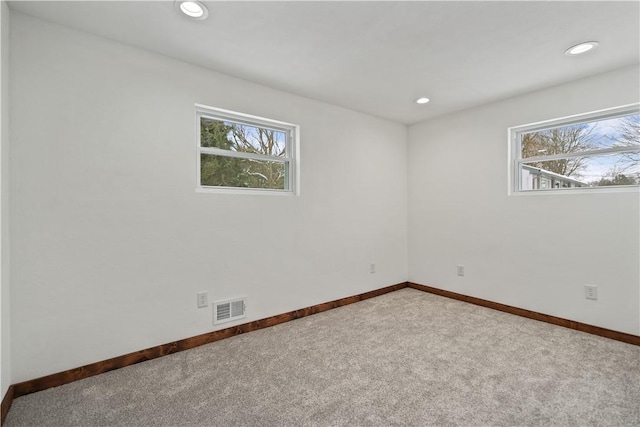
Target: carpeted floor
<point>405,358</point>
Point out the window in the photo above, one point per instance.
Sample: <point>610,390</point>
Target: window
<point>594,150</point>
<point>245,153</point>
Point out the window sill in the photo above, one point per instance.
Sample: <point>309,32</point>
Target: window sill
<point>246,191</point>
<point>596,190</point>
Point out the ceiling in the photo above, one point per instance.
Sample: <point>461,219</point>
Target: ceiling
<point>371,56</point>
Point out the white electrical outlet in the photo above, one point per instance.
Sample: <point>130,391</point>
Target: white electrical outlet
<point>203,299</point>
<point>591,291</point>
<point>372,268</point>
<point>460,269</point>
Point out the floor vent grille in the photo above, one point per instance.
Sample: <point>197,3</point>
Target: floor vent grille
<point>229,310</point>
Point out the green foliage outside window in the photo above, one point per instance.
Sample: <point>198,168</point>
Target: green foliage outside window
<point>228,171</point>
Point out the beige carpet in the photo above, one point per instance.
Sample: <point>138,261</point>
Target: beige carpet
<point>405,358</point>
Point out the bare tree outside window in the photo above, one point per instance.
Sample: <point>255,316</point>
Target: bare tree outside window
<point>239,151</point>
<point>565,140</point>
<point>595,153</point>
<point>219,170</point>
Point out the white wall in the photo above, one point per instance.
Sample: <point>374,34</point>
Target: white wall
<point>5,342</point>
<point>110,242</point>
<point>534,252</point>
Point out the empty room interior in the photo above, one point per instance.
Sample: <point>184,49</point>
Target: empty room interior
<point>320,213</point>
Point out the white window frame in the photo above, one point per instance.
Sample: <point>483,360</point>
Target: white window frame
<point>292,146</point>
<point>515,150</point>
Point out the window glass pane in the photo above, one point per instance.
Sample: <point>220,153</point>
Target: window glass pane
<point>242,138</point>
<point>596,135</point>
<point>587,171</point>
<point>223,171</point>
<point>612,169</point>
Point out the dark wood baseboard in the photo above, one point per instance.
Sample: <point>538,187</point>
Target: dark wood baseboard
<point>559,321</point>
<point>71,375</point>
<point>7,400</point>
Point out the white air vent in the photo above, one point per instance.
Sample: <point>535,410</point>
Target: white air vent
<point>228,310</point>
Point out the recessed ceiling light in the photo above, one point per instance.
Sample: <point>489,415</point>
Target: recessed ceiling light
<point>581,48</point>
<point>193,9</point>
<point>422,100</point>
